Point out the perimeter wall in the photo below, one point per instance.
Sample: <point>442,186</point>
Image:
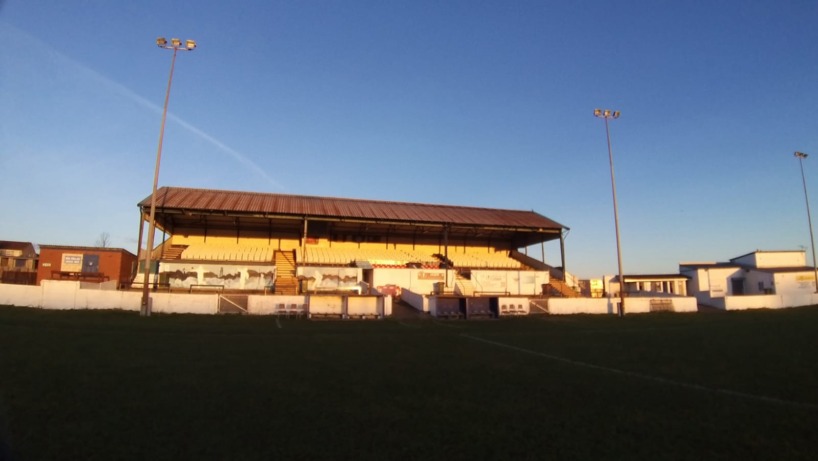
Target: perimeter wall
<point>68,295</point>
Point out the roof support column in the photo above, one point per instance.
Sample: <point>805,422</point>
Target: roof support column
<point>562,257</point>
<point>446,255</point>
<point>164,240</point>
<point>304,241</point>
<point>139,243</point>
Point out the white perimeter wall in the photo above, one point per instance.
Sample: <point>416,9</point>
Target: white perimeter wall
<point>769,301</point>
<point>66,295</point>
<point>635,305</point>
<point>54,294</point>
<point>61,295</point>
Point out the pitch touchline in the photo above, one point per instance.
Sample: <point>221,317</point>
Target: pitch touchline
<point>436,322</point>
<point>656,379</point>
<point>408,325</point>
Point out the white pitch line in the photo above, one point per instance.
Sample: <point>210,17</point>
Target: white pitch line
<point>278,324</point>
<point>400,322</point>
<point>656,379</point>
<point>437,322</point>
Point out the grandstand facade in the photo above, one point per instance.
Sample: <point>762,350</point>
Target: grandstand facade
<point>292,245</point>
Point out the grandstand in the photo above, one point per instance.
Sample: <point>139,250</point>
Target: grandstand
<point>293,245</point>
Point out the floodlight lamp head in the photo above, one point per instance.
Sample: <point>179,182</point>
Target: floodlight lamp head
<point>616,114</point>
<point>800,155</point>
<point>161,42</point>
<point>176,42</point>
<point>190,44</point>
<point>598,112</point>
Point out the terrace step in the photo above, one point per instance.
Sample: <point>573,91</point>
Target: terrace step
<point>558,288</point>
<point>286,281</point>
<point>173,252</point>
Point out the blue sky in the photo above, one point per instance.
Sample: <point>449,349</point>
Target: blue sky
<point>476,103</point>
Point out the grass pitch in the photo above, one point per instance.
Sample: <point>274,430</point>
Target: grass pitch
<point>111,385</point>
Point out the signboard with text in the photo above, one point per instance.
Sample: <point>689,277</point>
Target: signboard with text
<point>71,262</point>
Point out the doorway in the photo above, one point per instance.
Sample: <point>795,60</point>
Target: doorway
<point>737,286</point>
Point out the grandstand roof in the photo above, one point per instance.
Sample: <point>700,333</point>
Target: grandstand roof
<point>185,207</point>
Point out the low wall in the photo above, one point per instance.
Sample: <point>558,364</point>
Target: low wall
<point>21,295</point>
<point>57,294</point>
<point>266,305</point>
<point>561,306</point>
<point>680,304</point>
<point>65,295</point>
<point>633,305</point>
<point>769,301</point>
<point>418,301</point>
<point>173,303</point>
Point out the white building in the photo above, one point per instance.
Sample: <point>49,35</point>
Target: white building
<point>759,279</point>
<point>650,285</point>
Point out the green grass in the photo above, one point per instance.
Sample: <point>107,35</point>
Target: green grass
<point>111,385</point>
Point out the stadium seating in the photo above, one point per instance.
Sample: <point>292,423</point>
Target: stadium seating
<point>487,260</point>
<point>380,258</point>
<point>330,256</point>
<point>207,252</point>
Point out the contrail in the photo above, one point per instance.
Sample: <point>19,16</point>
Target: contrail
<point>130,94</point>
<point>229,150</point>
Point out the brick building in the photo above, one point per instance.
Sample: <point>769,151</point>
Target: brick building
<point>90,264</point>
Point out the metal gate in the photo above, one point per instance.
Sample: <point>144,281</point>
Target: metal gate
<point>233,304</point>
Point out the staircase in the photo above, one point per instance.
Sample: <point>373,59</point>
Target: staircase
<point>286,282</point>
<point>560,289</point>
<point>172,251</point>
<point>463,286</point>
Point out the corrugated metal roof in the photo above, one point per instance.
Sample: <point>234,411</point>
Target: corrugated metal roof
<point>254,203</point>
